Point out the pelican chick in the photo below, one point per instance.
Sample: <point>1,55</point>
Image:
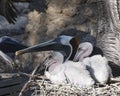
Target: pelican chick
<point>60,72</point>
<point>98,67</point>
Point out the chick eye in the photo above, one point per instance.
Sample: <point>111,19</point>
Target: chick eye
<point>50,57</point>
<point>79,49</point>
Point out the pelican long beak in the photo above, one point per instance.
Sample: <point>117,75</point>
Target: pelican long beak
<point>40,47</point>
<point>52,45</point>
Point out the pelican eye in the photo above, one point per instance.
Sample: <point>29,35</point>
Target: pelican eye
<point>79,49</point>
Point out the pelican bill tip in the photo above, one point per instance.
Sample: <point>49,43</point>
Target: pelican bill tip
<point>17,53</point>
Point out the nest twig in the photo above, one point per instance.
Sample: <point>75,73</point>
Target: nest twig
<point>30,80</point>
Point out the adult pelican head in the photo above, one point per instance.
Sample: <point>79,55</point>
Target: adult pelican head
<point>61,44</point>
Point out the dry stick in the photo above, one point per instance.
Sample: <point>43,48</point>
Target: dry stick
<point>29,81</point>
<point>27,75</point>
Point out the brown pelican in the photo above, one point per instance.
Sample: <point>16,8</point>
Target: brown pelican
<point>82,42</point>
<point>8,10</point>
<point>67,72</point>
<point>68,45</point>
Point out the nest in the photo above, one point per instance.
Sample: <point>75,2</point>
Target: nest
<point>43,87</point>
<point>39,85</point>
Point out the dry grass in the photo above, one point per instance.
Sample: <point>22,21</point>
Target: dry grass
<point>43,87</point>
